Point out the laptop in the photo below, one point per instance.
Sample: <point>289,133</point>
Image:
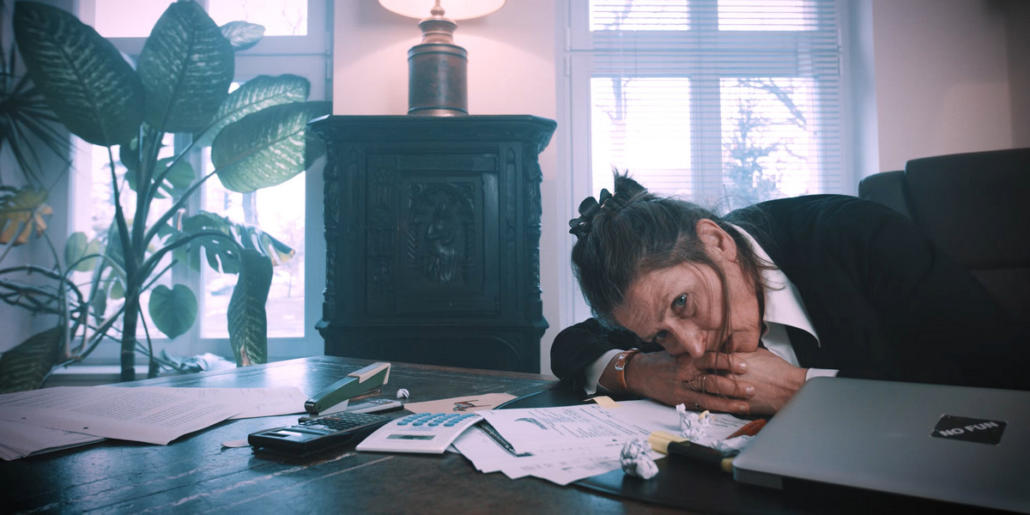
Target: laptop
<point>946,443</point>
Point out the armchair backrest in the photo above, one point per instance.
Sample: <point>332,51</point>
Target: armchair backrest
<point>975,207</point>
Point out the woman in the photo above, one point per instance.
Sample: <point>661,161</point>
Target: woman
<point>736,314</point>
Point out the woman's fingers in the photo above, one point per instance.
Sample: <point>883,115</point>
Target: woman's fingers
<point>720,385</point>
<point>702,401</point>
<point>721,362</point>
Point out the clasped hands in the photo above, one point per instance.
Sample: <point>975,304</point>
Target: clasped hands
<point>745,383</point>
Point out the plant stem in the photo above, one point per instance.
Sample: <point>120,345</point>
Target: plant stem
<point>152,367</point>
<point>128,355</point>
<point>175,207</point>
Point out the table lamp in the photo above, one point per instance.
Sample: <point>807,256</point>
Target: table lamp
<point>437,78</point>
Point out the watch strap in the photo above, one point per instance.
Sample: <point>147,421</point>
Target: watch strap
<point>621,360</point>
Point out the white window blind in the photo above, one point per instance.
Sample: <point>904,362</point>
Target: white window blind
<point>723,102</point>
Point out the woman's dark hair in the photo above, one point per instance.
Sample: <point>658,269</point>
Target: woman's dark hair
<point>633,232</point>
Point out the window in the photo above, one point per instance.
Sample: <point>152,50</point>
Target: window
<point>725,102</point>
<point>722,102</point>
<point>296,41</point>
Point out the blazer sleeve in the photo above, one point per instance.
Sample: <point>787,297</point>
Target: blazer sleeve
<point>577,346</point>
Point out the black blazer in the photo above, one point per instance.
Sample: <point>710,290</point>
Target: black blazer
<point>885,302</point>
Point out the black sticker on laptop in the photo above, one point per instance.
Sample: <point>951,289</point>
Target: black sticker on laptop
<point>969,429</point>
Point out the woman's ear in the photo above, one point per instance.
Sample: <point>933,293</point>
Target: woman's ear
<point>717,242</point>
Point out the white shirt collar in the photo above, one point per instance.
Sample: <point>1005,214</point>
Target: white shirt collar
<point>782,301</point>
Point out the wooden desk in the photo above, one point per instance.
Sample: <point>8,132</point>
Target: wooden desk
<point>196,475</point>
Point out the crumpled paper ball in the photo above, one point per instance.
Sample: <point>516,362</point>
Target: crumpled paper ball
<point>635,460</point>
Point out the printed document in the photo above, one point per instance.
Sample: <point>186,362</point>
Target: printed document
<point>49,419</point>
<point>565,444</point>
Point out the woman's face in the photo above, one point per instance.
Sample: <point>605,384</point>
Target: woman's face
<point>681,308</point>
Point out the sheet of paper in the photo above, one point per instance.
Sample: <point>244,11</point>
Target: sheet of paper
<point>565,444</point>
<point>561,466</point>
<point>460,404</point>
<point>540,429</point>
<point>137,414</point>
<point>657,416</point>
<point>20,439</point>
<point>248,402</point>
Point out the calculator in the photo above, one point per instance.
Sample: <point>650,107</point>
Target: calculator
<point>314,434</point>
<point>427,433</point>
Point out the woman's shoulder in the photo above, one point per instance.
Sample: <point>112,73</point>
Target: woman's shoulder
<point>811,211</point>
<point>814,224</point>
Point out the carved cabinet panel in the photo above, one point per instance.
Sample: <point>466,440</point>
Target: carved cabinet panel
<point>432,239</point>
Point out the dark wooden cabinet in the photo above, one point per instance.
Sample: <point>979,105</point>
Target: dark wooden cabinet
<point>432,229</point>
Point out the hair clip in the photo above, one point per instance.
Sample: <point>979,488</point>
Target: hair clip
<point>588,209</point>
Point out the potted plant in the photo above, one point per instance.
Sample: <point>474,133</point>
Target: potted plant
<point>180,85</point>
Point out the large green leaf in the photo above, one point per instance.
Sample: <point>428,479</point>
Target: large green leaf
<point>78,247</point>
<point>267,147</point>
<point>173,309</point>
<point>242,35</point>
<point>256,94</point>
<point>27,365</point>
<point>247,320</point>
<point>86,82</point>
<point>186,67</point>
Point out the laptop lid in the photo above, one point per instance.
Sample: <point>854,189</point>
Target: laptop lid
<point>948,443</point>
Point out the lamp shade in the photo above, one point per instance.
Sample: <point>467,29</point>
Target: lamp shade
<point>453,9</point>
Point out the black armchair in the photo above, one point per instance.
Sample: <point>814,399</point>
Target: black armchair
<point>975,207</point>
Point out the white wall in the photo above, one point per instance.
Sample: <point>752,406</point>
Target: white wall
<point>942,78</point>
<point>511,70</point>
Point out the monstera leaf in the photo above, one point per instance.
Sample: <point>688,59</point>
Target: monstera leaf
<point>26,366</point>
<point>223,255</point>
<point>246,314</point>
<point>256,94</point>
<point>186,67</point>
<point>22,213</point>
<point>267,147</point>
<point>86,82</point>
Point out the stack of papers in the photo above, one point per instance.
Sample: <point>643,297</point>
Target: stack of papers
<point>49,419</point>
<point>569,443</point>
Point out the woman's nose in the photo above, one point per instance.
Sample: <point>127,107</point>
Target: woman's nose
<point>688,340</point>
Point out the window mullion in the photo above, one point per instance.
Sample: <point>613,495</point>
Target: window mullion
<point>182,272</point>
<point>705,109</point>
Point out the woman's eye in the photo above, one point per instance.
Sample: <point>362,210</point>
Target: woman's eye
<point>680,301</point>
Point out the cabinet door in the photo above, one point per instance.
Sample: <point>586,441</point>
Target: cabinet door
<point>432,247</point>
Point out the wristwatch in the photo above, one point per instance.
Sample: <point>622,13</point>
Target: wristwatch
<point>621,360</point>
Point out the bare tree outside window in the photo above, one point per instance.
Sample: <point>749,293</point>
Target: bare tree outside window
<point>767,144</point>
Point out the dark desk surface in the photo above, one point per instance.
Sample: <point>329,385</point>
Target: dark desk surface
<point>195,474</point>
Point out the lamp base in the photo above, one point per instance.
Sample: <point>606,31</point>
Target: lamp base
<point>437,80</point>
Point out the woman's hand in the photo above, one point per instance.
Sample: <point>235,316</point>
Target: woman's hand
<point>775,381</point>
<point>676,379</point>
